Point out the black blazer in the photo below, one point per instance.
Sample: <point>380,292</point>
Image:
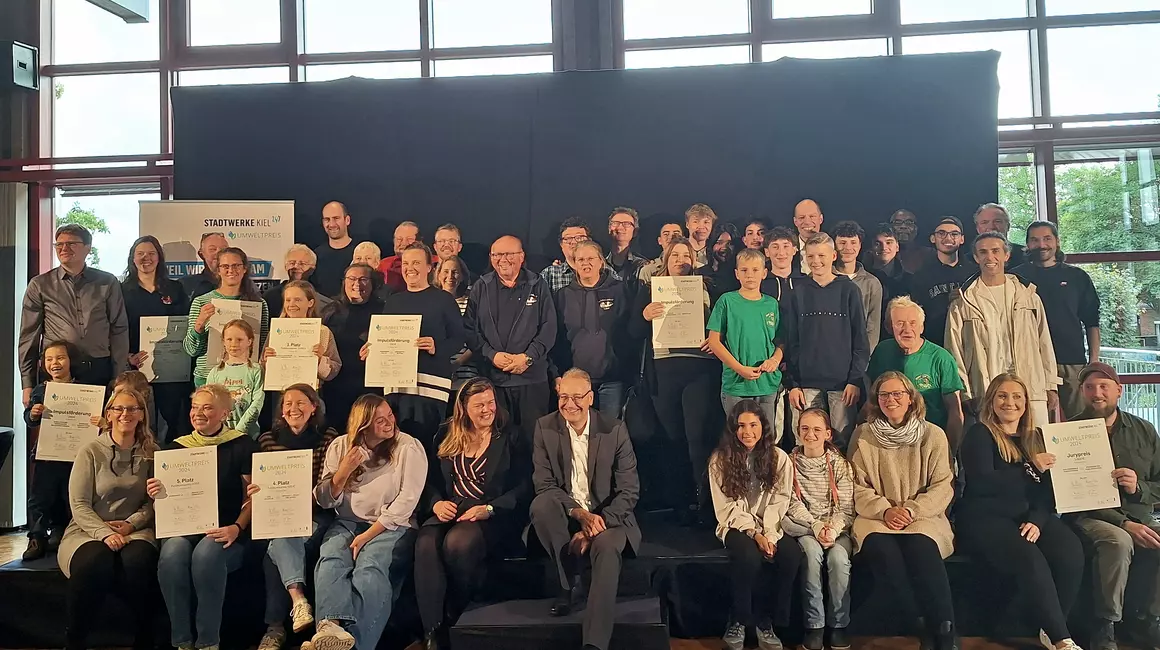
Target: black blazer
<point>507,485</point>
<point>612,474</point>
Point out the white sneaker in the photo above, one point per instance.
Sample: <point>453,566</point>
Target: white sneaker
<point>273,638</point>
<point>302,615</point>
<point>1068,644</point>
<point>331,636</point>
<point>1045,640</point>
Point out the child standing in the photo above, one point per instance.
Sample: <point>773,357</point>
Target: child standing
<point>743,333</point>
<point>820,512</point>
<point>241,376</point>
<point>48,510</point>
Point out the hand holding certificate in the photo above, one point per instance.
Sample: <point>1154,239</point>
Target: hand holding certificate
<point>282,500</point>
<point>1082,475</point>
<point>683,323</point>
<point>187,503</point>
<point>224,312</point>
<point>393,361</point>
<point>162,338</point>
<point>293,341</point>
<point>65,425</point>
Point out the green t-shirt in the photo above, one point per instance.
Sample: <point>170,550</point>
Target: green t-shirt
<point>932,369</point>
<point>748,329</point>
<point>244,381</point>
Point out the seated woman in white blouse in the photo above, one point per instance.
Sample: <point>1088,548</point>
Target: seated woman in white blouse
<point>373,477</point>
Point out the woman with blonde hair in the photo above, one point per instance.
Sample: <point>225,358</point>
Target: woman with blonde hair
<point>109,544</point>
<point>902,487</point>
<point>453,276</point>
<point>478,503</point>
<point>1006,516</point>
<point>373,478</point>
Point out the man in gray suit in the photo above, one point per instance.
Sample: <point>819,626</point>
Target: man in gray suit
<point>586,488</point>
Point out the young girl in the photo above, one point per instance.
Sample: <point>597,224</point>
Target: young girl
<point>241,376</point>
<point>135,380</point>
<point>820,511</point>
<point>48,511</point>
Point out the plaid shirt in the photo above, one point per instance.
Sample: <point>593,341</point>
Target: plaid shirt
<point>560,275</point>
<point>267,442</point>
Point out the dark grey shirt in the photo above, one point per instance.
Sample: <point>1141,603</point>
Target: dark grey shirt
<point>87,310</point>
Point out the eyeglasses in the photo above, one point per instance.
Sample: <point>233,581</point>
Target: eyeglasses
<point>947,234</point>
<point>621,224</point>
<point>575,399</point>
<point>446,241</point>
<point>506,256</point>
<point>895,395</point>
<point>231,267</point>
<point>358,280</point>
<point>61,245</point>
<point>587,260</point>
<point>575,239</point>
<point>131,410</point>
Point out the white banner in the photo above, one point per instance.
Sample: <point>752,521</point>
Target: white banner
<point>264,229</point>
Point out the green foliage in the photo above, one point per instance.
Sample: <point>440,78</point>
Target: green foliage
<point>89,219</point>
<point>1119,293</point>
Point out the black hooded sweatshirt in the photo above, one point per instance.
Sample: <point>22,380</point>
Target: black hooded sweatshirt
<point>593,332</point>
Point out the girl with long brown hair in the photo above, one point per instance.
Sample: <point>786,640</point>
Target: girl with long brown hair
<point>751,481</point>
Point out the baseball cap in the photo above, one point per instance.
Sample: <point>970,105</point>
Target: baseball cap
<point>1099,368</point>
<point>951,220</point>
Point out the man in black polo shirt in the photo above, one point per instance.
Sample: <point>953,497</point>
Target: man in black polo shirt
<point>1072,307</point>
<point>932,288</point>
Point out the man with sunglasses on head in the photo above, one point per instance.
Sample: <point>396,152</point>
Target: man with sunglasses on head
<point>75,303</point>
<point>933,287</point>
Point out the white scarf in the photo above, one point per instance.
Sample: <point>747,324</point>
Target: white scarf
<point>890,437</point>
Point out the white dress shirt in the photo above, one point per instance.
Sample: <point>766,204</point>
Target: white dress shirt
<point>579,480</point>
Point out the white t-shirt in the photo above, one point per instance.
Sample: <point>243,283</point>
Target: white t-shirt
<point>580,479</point>
<point>996,304</point>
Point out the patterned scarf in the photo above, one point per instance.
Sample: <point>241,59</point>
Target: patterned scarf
<point>890,437</point>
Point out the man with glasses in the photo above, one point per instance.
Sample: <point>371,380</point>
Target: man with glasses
<point>206,281</point>
<point>449,243</point>
<point>560,274</point>
<point>336,254</point>
<point>300,263</point>
<point>932,288</point>
<point>510,323</point>
<point>911,254</point>
<point>622,225</point>
<point>584,474</point>
<point>652,267</point>
<point>406,233</point>
<point>78,304</point>
<point>992,217</point>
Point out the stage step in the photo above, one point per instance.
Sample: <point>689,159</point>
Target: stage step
<point>526,625</point>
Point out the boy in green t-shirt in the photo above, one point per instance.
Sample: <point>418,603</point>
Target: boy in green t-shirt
<point>743,330</point>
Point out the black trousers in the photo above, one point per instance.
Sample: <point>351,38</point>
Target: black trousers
<point>449,567</point>
<point>555,530</point>
<point>911,566</point>
<point>98,372</point>
<point>419,416</point>
<point>172,400</point>
<point>1049,571</point>
<point>761,585</point>
<point>688,406</point>
<point>97,570</point>
<point>48,497</point>
<point>525,405</point>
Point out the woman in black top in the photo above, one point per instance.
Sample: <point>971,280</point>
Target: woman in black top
<point>349,320</point>
<point>149,291</point>
<point>195,567</point>
<point>1006,516</point>
<point>476,500</point>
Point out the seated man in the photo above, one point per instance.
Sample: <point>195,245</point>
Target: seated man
<point>1127,537</point>
<point>584,473</point>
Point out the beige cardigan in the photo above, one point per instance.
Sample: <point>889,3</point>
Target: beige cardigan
<point>918,478</point>
<point>760,511</point>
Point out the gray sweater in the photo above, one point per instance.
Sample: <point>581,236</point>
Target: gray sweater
<point>871,289</point>
<point>106,484</point>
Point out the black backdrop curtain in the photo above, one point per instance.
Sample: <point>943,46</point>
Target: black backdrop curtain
<point>518,154</point>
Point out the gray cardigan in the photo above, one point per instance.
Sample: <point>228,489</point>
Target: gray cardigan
<point>106,484</point>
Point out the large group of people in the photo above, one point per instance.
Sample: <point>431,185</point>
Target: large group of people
<point>845,394</point>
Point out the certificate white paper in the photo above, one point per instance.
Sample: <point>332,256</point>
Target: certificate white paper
<point>1082,475</point>
<point>683,323</point>
<point>282,507</point>
<point>65,425</point>
<point>188,502</point>
<point>393,361</point>
<point>294,337</point>
<point>287,371</point>
<point>226,311</point>
<point>163,337</point>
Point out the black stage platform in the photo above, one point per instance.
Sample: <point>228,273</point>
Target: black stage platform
<point>524,625</point>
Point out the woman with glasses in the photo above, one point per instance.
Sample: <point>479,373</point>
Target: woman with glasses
<point>234,283</point>
<point>372,478</point>
<point>476,503</point>
<point>109,545</point>
<point>902,488</point>
<point>349,320</point>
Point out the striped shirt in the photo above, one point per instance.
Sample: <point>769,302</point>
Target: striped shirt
<point>823,490</point>
<point>470,474</point>
<point>196,345</point>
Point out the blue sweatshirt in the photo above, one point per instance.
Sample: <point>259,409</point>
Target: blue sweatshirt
<point>826,344</point>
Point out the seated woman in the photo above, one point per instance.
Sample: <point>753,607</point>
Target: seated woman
<point>751,481</point>
<point>300,425</point>
<point>109,545</point>
<point>479,494</point>
<point>372,477</point>
<point>1006,516</point>
<point>902,488</point>
<point>195,567</point>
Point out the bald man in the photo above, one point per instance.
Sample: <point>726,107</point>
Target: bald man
<point>338,251</point>
<point>807,218</point>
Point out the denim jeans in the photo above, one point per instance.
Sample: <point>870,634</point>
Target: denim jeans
<point>841,416</point>
<point>361,592</point>
<point>285,565</point>
<point>196,567</point>
<point>770,404</point>
<point>609,398</point>
<point>836,562</point>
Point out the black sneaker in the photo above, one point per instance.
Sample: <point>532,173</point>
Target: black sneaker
<point>925,636</point>
<point>54,537</point>
<point>814,639</point>
<point>1103,636</point>
<point>945,638</point>
<point>838,638</point>
<point>37,548</point>
<point>1145,632</point>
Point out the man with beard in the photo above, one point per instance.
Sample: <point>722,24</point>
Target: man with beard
<point>992,217</point>
<point>807,218</point>
<point>754,235</point>
<point>652,267</point>
<point>300,263</point>
<point>333,257</point>
<point>911,254</point>
<point>1126,538</point>
<point>449,243</point>
<point>932,289</point>
<point>1072,306</point>
<point>206,281</point>
<point>406,233</point>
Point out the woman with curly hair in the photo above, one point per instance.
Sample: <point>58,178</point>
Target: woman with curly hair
<point>751,482</point>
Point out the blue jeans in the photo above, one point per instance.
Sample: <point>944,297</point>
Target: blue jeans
<point>285,565</point>
<point>836,562</point>
<point>771,405</point>
<point>196,567</point>
<point>361,592</point>
<point>609,398</point>
<point>841,416</point>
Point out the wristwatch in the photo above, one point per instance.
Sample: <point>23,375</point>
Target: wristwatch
<point>490,510</point>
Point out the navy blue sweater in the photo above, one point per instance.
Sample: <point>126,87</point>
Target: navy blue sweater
<point>826,339</point>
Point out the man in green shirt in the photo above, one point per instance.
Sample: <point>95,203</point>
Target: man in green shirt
<point>1127,537</point>
<point>743,332</point>
<point>930,367</point>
